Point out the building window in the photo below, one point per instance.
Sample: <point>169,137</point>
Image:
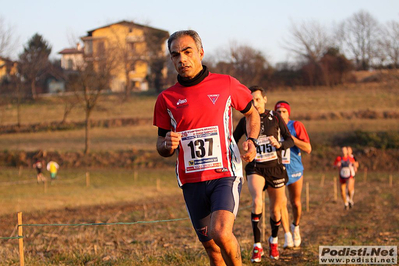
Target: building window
<point>70,64</point>
<point>88,47</point>
<point>100,48</point>
<point>132,47</point>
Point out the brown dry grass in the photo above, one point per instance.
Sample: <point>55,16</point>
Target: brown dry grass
<point>305,102</point>
<point>371,222</point>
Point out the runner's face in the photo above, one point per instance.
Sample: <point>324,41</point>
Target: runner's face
<point>284,114</point>
<point>344,151</point>
<point>186,57</point>
<point>259,101</point>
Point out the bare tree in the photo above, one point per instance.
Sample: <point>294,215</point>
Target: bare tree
<point>69,103</point>
<point>309,40</point>
<point>358,36</point>
<point>90,81</point>
<point>243,62</point>
<point>8,40</point>
<point>390,43</point>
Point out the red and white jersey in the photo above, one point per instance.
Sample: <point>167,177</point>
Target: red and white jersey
<point>203,115</point>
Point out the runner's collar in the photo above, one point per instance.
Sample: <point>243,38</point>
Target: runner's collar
<point>196,80</point>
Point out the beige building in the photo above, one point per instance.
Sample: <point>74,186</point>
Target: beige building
<point>72,58</point>
<point>7,68</point>
<point>136,49</point>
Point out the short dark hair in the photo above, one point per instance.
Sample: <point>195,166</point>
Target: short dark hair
<point>257,88</point>
<point>192,33</point>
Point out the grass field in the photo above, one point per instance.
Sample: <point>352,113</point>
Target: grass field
<point>164,235</point>
<point>376,97</point>
<point>117,195</point>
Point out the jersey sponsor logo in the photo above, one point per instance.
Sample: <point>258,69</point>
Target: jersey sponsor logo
<point>299,174</point>
<point>203,231</point>
<point>213,97</point>
<point>181,102</point>
<point>277,181</point>
<point>221,170</point>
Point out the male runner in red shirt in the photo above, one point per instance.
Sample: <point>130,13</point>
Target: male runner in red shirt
<point>194,118</point>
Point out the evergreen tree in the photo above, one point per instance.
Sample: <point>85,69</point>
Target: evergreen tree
<point>34,61</point>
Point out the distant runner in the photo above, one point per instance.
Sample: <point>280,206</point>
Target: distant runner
<point>346,165</point>
<point>38,165</point>
<point>53,168</point>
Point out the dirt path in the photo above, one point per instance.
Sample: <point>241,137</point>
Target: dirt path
<point>374,220</point>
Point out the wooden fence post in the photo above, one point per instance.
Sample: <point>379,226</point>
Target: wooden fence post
<point>45,186</point>
<point>87,179</point>
<point>307,196</point>
<point>335,190</point>
<point>390,181</point>
<point>322,181</point>
<point>20,240</point>
<point>158,184</point>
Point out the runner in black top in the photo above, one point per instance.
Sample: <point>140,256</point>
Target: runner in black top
<point>266,171</point>
<point>38,165</point>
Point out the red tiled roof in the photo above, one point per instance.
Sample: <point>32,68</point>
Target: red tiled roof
<point>71,51</point>
<point>128,23</point>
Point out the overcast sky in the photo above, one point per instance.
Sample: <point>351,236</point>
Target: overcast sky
<point>262,24</point>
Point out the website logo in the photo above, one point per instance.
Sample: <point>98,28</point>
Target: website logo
<point>358,255</point>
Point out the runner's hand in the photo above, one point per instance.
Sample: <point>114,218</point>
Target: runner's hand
<point>249,147</point>
<point>172,140</point>
<point>274,142</point>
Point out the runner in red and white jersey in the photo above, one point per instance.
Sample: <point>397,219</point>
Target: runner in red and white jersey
<point>202,115</point>
<point>194,117</point>
<point>346,165</point>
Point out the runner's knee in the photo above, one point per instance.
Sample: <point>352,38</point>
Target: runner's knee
<point>257,202</point>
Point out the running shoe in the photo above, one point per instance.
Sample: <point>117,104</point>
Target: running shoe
<point>296,235</point>
<point>288,242</point>
<point>257,254</point>
<point>273,248</point>
<point>351,203</point>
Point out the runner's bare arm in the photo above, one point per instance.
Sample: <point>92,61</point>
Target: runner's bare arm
<point>167,145</point>
<point>253,127</point>
<point>304,146</point>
